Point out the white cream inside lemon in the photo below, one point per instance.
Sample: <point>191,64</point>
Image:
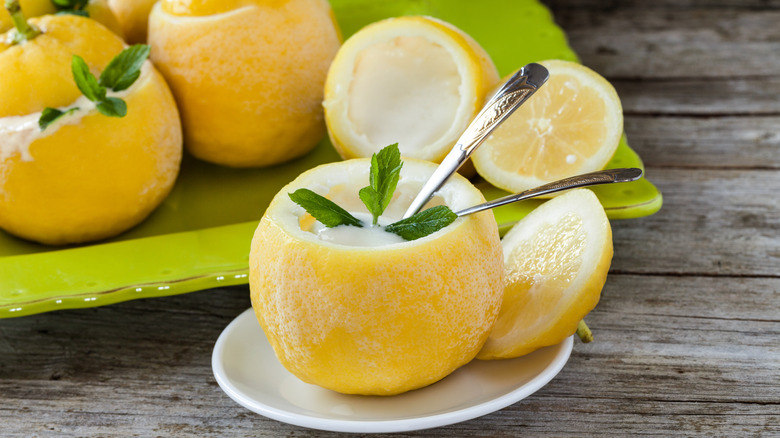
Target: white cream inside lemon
<point>404,90</point>
<point>17,133</point>
<point>367,236</point>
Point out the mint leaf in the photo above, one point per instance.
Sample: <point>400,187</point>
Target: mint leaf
<point>423,223</point>
<point>323,209</point>
<point>383,180</point>
<point>112,107</point>
<point>49,115</point>
<point>86,82</point>
<point>372,201</point>
<point>125,68</point>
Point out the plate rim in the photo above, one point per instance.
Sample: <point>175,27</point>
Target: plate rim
<point>380,426</point>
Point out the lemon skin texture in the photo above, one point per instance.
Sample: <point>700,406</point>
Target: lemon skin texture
<point>248,76</point>
<point>377,320</point>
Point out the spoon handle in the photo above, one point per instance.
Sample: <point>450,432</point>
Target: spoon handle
<point>504,102</point>
<point>584,180</point>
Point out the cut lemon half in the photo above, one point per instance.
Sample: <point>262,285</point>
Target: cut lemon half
<point>415,81</point>
<point>555,264</point>
<point>572,125</point>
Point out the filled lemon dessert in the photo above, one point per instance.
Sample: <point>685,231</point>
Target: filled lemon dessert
<point>417,81</point>
<point>247,75</point>
<point>376,304</point>
<point>90,138</point>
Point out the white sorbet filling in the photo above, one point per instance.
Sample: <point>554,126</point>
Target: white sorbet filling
<point>17,133</point>
<point>348,235</point>
<point>405,90</point>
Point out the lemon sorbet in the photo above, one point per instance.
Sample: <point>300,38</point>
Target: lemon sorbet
<point>417,81</point>
<point>362,311</point>
<point>85,176</point>
<point>248,75</point>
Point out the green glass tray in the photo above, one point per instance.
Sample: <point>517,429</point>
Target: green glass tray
<point>199,237</point>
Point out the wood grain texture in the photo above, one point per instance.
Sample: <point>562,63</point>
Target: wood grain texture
<point>688,325</point>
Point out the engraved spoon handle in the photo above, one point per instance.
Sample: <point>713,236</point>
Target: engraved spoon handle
<point>504,102</point>
<point>584,180</point>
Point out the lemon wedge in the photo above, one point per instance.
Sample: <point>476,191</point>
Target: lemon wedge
<point>556,261</point>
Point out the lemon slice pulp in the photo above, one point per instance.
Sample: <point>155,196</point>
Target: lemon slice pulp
<point>572,125</point>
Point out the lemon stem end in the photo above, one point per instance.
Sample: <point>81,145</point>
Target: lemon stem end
<point>584,333</point>
<point>24,30</point>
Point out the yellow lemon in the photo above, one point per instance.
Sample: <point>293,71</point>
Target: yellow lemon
<point>133,18</point>
<point>572,125</point>
<point>556,261</point>
<point>378,319</point>
<point>96,9</point>
<point>417,81</point>
<point>87,176</point>
<point>247,75</point>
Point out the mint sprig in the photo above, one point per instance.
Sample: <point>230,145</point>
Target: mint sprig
<point>125,68</point>
<point>423,223</point>
<point>118,75</point>
<point>50,115</point>
<point>383,180</point>
<point>323,209</point>
<point>384,174</point>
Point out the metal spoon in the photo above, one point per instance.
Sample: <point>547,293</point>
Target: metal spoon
<point>584,180</point>
<point>511,95</point>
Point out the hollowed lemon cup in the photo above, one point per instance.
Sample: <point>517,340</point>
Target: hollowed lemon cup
<point>375,320</point>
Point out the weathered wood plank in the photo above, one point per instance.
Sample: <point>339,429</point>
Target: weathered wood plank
<point>650,42</point>
<point>713,222</point>
<point>690,97</point>
<point>712,143</point>
<point>697,358</point>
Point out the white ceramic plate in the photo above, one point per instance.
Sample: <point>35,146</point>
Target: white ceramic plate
<point>246,368</point>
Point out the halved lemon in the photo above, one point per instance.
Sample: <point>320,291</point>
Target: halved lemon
<point>380,319</point>
<point>556,261</point>
<point>572,125</point>
<point>417,81</point>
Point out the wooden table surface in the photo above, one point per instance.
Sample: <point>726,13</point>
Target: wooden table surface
<point>688,327</point>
